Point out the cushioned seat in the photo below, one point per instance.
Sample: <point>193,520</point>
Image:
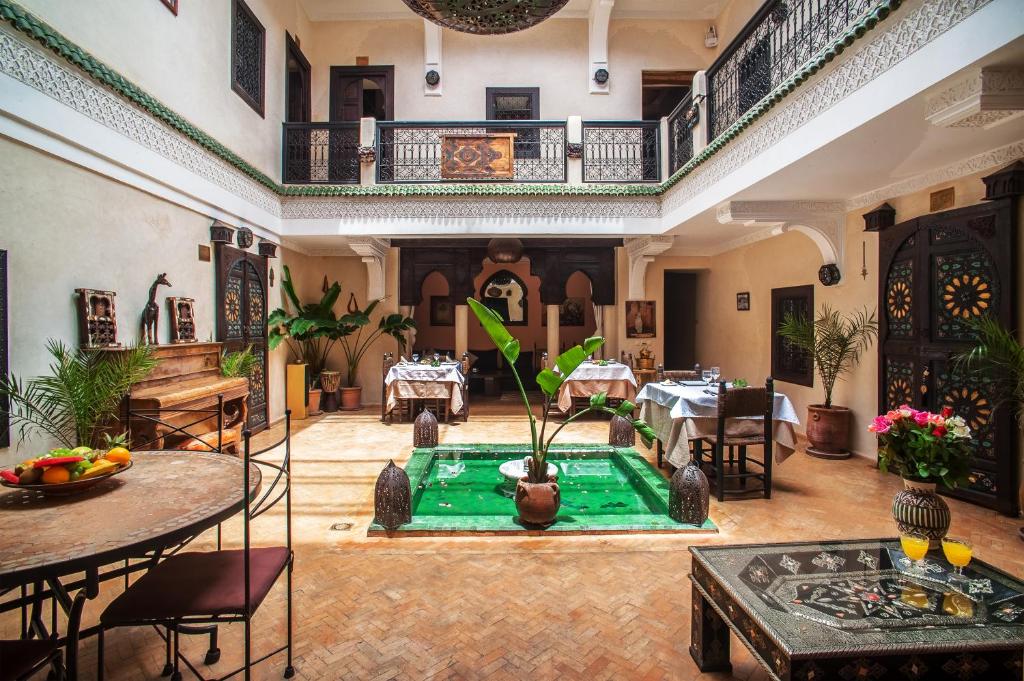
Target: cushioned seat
<point>19,657</point>
<point>197,584</point>
<point>731,441</point>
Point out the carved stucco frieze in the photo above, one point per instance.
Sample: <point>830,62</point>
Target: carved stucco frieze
<point>824,222</point>
<point>984,98</point>
<point>374,253</point>
<point>641,252</point>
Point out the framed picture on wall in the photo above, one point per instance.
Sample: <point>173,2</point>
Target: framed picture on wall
<point>442,312</point>
<point>640,319</point>
<point>743,301</point>
<point>570,313</point>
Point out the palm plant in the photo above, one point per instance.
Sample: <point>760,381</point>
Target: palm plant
<point>997,357</point>
<point>82,393</point>
<point>238,364</point>
<point>834,341</point>
<point>550,382</point>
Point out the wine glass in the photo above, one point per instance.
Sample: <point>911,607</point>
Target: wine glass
<point>915,546</point>
<point>437,358</point>
<point>958,553</point>
<point>416,358</point>
<point>716,373</point>
<point>706,375</point>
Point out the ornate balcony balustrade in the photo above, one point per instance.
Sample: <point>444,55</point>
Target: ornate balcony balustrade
<point>321,153</point>
<point>681,122</point>
<point>621,151</point>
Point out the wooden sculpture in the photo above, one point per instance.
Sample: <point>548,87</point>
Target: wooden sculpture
<point>151,313</point>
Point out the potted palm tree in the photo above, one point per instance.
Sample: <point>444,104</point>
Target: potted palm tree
<point>356,334</point>
<point>537,495</point>
<point>835,343</point>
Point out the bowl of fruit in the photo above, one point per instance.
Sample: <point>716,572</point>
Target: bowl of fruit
<point>67,471</point>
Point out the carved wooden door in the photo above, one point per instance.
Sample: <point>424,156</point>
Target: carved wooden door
<point>242,319</point>
<point>938,271</point>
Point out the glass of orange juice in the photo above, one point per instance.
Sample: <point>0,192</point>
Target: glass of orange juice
<point>958,553</point>
<point>915,545</point>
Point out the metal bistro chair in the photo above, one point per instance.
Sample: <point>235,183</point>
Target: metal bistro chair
<point>741,403</point>
<point>23,658</point>
<point>216,587</point>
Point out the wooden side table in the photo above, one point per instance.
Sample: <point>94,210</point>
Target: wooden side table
<point>644,376</point>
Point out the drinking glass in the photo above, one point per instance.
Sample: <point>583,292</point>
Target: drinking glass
<point>416,357</point>
<point>706,375</point>
<point>958,553</point>
<point>915,545</point>
<point>716,373</point>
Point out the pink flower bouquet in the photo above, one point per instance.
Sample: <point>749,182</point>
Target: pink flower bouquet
<point>920,445</point>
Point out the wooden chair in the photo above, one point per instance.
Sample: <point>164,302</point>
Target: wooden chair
<point>741,403</point>
<point>220,586</point>
<point>23,658</point>
<point>683,374</point>
<point>385,415</point>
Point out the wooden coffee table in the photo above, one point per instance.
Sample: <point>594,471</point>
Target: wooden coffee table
<point>814,611</point>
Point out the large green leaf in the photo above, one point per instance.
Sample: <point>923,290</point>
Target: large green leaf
<point>328,300</point>
<point>647,434</point>
<point>492,323</point>
<point>549,382</point>
<point>598,400</point>
<point>591,344</point>
<point>289,289</point>
<point>277,317</point>
<point>300,326</point>
<point>625,408</point>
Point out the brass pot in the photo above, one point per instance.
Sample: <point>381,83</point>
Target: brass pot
<point>538,502</point>
<point>828,431</point>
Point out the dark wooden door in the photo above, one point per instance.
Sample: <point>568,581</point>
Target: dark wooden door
<point>680,320</point>
<point>242,319</point>
<point>938,271</point>
<point>362,91</point>
<point>298,89</point>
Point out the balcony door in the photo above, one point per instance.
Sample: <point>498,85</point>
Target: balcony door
<point>362,92</point>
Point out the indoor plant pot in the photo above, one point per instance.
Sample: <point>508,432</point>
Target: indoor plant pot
<point>314,400</point>
<point>352,398</point>
<point>828,431</point>
<point>538,502</point>
<point>918,508</point>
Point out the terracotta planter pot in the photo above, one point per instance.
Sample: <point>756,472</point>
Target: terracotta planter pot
<point>352,398</point>
<point>918,508</point>
<point>828,431</point>
<point>538,502</point>
<point>314,400</point>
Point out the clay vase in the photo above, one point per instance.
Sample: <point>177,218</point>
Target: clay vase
<point>314,400</point>
<point>352,398</point>
<point>828,431</point>
<point>917,508</point>
<point>538,502</point>
<point>688,495</point>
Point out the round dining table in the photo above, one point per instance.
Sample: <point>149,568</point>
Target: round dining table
<point>164,500</point>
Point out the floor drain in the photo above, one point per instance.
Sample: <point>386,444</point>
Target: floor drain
<point>341,527</point>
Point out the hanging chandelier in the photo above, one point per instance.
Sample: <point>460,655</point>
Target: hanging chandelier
<point>505,250</point>
<point>486,17</point>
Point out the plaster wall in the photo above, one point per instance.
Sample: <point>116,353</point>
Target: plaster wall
<point>185,61</point>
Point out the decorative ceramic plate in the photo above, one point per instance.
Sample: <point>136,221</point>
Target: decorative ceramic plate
<point>66,488</point>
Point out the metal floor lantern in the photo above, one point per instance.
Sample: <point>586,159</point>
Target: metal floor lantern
<point>688,495</point>
<point>392,498</point>
<point>486,17</point>
<point>424,430</point>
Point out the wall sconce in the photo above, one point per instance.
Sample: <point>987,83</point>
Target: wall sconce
<point>433,78</point>
<point>829,274</point>
<point>243,237</point>
<point>711,37</point>
<point>601,76</point>
<point>864,259</point>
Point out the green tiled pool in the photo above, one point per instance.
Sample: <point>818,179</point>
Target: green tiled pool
<point>457,489</point>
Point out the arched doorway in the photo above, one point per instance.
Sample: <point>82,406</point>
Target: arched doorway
<point>577,320</point>
<point>435,317</point>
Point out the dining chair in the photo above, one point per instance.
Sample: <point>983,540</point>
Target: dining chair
<point>683,374</point>
<point>215,587</point>
<point>23,658</point>
<point>739,403</point>
<point>389,361</point>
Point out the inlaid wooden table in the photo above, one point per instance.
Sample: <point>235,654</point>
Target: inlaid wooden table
<point>857,609</point>
<point>164,501</point>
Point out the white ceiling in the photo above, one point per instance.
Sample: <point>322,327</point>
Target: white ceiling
<point>376,10</point>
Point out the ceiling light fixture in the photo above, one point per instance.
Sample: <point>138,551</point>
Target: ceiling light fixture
<point>486,17</point>
<point>505,251</point>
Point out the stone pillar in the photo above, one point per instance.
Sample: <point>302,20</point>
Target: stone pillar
<point>553,332</point>
<point>574,136</point>
<point>410,335</point>
<point>368,138</point>
<point>610,329</point>
<point>461,330</point>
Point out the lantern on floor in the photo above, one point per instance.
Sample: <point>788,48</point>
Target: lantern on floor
<point>392,498</point>
<point>486,17</point>
<point>424,430</point>
<point>688,495</point>
<point>621,433</point>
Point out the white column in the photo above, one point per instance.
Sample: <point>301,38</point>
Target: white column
<point>574,135</point>
<point>610,324</point>
<point>461,330</point>
<point>641,252</point>
<point>410,335</point>
<point>553,332</point>
<point>701,131</point>
<point>374,254</point>
<point>368,138</point>
<point>663,134</point>
<point>598,18</point>
<point>432,57</point>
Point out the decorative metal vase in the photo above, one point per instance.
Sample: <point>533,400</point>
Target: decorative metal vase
<point>621,433</point>
<point>330,381</point>
<point>392,498</point>
<point>688,495</point>
<point>424,430</point>
<point>918,508</point>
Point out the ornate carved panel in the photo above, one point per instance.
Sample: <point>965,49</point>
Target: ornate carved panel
<point>965,290</point>
<point>899,299</point>
<point>248,48</point>
<point>899,382</point>
<point>789,362</point>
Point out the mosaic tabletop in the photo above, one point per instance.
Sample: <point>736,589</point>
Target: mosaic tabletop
<point>163,499</point>
<point>863,595</point>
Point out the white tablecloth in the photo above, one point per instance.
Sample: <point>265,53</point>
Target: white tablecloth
<point>679,413</point>
<point>422,381</point>
<point>590,378</point>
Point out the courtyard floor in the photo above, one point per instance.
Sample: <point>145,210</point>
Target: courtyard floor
<point>580,607</point>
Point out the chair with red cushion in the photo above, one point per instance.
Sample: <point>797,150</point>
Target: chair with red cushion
<point>21,658</point>
<point>217,586</point>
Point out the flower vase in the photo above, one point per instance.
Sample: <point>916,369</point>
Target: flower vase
<point>918,508</point>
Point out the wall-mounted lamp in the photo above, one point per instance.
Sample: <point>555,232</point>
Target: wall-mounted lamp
<point>864,259</point>
<point>829,274</point>
<point>432,77</point>
<point>711,37</point>
<point>243,237</point>
<point>601,76</point>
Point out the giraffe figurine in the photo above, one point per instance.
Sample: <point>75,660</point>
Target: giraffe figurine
<point>151,313</point>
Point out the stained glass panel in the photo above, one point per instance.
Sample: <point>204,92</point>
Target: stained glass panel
<point>899,382</point>
<point>964,289</point>
<point>248,39</point>
<point>899,299</point>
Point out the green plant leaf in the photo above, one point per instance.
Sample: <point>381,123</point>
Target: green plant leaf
<point>646,433</point>
<point>277,317</point>
<point>499,335</point>
<point>289,289</point>
<point>598,400</point>
<point>625,408</point>
<point>591,345</point>
<point>549,382</point>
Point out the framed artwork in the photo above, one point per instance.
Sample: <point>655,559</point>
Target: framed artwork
<point>171,5</point>
<point>640,319</point>
<point>442,312</point>
<point>743,301</point>
<point>570,313</point>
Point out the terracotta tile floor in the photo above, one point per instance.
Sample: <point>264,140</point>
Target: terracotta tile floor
<point>590,607</point>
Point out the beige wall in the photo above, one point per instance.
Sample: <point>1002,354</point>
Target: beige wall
<point>185,60</point>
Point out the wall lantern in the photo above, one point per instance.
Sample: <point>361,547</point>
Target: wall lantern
<point>506,251</point>
<point>243,238</point>
<point>601,76</point>
<point>711,37</point>
<point>829,274</point>
<point>432,78</point>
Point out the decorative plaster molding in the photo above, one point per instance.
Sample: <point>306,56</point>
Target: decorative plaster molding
<point>432,51</point>
<point>984,99</point>
<point>824,222</point>
<point>597,43</point>
<point>374,253</point>
<point>541,207</point>
<point>999,156</point>
<point>641,252</point>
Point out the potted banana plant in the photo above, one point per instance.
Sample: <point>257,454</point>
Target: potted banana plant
<point>537,495</point>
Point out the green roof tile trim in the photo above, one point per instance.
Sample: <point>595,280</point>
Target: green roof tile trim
<point>28,24</point>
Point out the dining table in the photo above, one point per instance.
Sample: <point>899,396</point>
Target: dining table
<point>417,381</point>
<point>55,546</point>
<point>680,412</point>
<point>590,378</point>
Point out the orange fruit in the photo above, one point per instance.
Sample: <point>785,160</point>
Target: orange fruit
<point>54,475</point>
<point>118,455</point>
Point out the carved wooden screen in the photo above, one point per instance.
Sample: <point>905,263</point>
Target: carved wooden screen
<point>248,55</point>
<point>789,362</point>
<point>938,271</point>
<point>242,319</point>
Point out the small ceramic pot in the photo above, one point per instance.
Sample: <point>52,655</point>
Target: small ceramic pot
<point>918,508</point>
<point>538,502</point>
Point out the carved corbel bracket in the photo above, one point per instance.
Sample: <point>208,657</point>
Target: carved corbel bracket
<point>641,252</point>
<point>374,253</point>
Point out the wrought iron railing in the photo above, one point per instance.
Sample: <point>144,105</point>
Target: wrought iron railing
<point>680,134</point>
<point>320,153</point>
<point>621,151</point>
<point>780,38</point>
<point>411,152</point>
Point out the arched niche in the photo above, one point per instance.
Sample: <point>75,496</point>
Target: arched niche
<point>435,315</point>
<point>508,295</point>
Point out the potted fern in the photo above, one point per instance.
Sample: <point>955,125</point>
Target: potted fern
<point>537,495</point>
<point>835,343</point>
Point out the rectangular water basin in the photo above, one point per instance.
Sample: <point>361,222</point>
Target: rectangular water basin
<point>457,489</point>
